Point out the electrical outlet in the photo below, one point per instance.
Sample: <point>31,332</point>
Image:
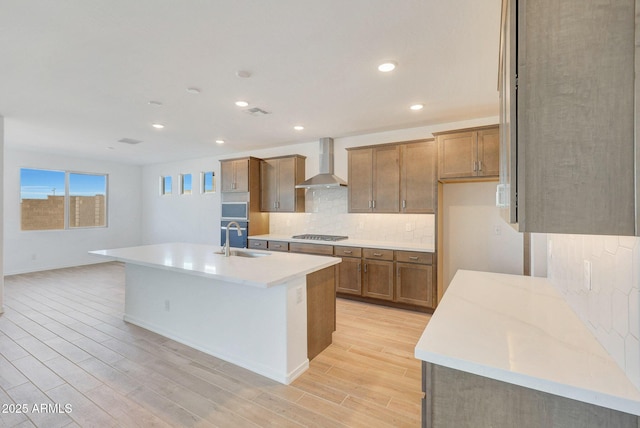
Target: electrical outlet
<point>167,305</point>
<point>550,250</point>
<point>587,274</point>
<point>497,230</point>
<point>407,227</point>
<point>299,295</point>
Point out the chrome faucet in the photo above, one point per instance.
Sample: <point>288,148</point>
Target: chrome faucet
<point>227,247</point>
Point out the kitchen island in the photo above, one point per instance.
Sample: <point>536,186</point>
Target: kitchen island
<point>249,309</point>
<point>506,350</point>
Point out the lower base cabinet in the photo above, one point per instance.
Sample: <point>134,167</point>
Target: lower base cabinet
<point>398,278</point>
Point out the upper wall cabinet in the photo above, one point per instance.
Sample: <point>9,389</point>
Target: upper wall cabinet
<point>418,177</point>
<point>568,116</point>
<point>278,178</point>
<point>235,175</point>
<point>393,178</point>
<point>469,154</point>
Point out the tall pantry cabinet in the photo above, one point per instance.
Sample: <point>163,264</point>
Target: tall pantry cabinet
<point>568,116</point>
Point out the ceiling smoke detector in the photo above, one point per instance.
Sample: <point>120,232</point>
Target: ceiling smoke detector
<point>255,111</point>
<point>129,141</point>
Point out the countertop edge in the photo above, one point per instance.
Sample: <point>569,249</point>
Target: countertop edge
<point>349,243</point>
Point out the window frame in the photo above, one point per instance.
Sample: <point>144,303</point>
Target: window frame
<point>67,199</point>
<point>203,187</point>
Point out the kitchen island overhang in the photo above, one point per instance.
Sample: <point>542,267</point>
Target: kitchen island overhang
<point>249,311</point>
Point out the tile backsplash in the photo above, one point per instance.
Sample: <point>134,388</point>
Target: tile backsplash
<point>327,213</point>
<point>611,309</point>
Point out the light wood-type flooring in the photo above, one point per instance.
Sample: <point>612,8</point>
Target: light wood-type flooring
<point>63,342</point>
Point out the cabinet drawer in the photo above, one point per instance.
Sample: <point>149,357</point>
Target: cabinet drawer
<point>377,254</point>
<point>347,251</point>
<point>257,243</point>
<point>278,246</point>
<point>318,249</point>
<point>414,257</point>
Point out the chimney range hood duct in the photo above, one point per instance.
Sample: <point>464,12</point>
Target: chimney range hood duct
<point>325,178</point>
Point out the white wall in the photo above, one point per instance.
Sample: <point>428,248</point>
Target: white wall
<point>40,250</point>
<point>474,235</point>
<point>611,309</point>
<point>196,218</point>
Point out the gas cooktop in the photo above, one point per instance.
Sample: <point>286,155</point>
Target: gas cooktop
<point>320,237</point>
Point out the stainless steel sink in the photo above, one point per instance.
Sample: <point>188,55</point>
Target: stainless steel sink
<point>249,254</point>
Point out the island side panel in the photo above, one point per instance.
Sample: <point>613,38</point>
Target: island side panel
<point>244,325</point>
<point>461,399</point>
<point>321,310</point>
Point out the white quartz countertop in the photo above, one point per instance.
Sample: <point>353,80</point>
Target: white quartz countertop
<point>403,246</point>
<point>273,269</point>
<point>520,330</point>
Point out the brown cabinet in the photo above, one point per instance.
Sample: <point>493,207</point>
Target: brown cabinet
<point>469,154</point>
<point>374,179</point>
<point>393,178</point>
<point>418,177</point>
<point>278,246</point>
<point>317,249</point>
<point>234,175</point>
<point>349,272</point>
<point>279,177</point>
<point>377,274</point>
<point>415,278</point>
<point>257,244</point>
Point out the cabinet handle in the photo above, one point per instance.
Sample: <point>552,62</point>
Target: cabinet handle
<point>365,268</point>
<point>404,203</point>
<point>479,165</point>
<point>347,252</point>
<point>374,204</point>
<point>413,258</point>
<point>475,166</point>
<point>359,267</point>
<point>369,204</point>
<point>377,254</point>
<point>277,246</point>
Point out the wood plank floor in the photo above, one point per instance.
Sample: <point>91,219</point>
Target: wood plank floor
<point>63,342</point>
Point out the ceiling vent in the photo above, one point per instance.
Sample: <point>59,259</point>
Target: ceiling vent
<point>129,141</point>
<point>255,111</point>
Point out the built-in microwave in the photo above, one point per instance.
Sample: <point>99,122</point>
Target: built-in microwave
<point>235,211</point>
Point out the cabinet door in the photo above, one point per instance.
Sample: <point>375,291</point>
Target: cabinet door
<point>378,279</point>
<point>360,180</point>
<point>489,152</point>
<point>386,179</point>
<point>227,176</point>
<point>268,185</point>
<point>286,184</point>
<point>241,175</point>
<point>418,177</point>
<point>349,276</point>
<point>414,284</point>
<point>457,155</point>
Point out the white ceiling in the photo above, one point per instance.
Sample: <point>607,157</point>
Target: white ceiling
<point>78,75</point>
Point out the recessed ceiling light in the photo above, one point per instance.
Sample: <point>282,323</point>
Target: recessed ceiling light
<point>193,90</point>
<point>417,107</point>
<point>220,141</point>
<point>155,103</point>
<point>387,66</point>
<point>158,125</point>
<point>242,103</point>
<point>298,127</point>
<point>243,74</point>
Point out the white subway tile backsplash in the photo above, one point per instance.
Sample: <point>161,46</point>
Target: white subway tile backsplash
<point>327,213</point>
<point>611,309</point>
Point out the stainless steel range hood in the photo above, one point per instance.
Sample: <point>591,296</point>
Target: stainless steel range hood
<point>325,178</point>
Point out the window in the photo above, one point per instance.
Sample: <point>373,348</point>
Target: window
<point>165,185</point>
<point>53,200</point>
<point>87,200</point>
<point>208,182</point>
<point>185,184</point>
